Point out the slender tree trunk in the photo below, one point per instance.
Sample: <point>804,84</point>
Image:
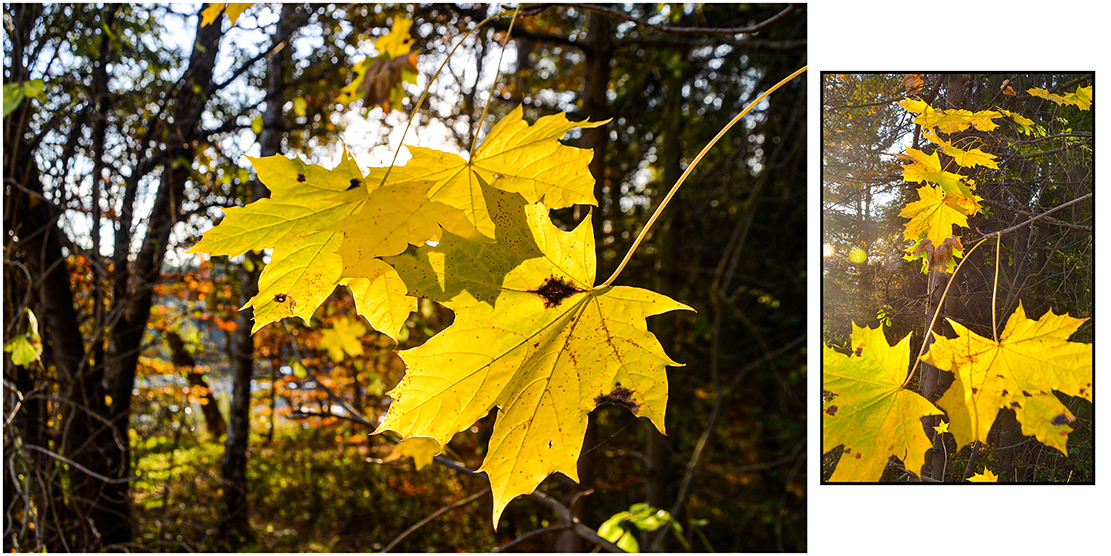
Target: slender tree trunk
<point>234,524</point>
<point>659,487</point>
<point>213,419</point>
<point>596,70</point>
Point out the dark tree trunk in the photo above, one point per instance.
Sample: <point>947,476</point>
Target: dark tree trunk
<point>596,78</point>
<point>234,524</point>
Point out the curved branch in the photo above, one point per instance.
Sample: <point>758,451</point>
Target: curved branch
<point>1038,217</point>
<point>533,533</point>
<point>434,515</point>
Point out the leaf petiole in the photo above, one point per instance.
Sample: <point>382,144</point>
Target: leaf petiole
<point>937,312</point>
<point>694,163</point>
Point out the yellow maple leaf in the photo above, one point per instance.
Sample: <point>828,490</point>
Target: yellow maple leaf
<point>931,217</point>
<point>422,450</point>
<point>927,168</point>
<point>942,427</point>
<point>233,9</point>
<point>1024,123</point>
<point>873,416</point>
<point>1031,359</point>
<point>343,338</point>
<point>986,477</point>
<point>304,265</point>
<point>1081,98</point>
<point>549,350</point>
<point>974,157</point>
<point>455,264</point>
<point>379,78</point>
<point>950,121</point>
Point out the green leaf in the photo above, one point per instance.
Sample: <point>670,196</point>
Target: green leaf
<point>873,416</point>
<point>26,348</point>
<point>13,95</point>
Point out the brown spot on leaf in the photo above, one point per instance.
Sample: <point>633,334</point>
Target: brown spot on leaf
<point>858,455</point>
<point>1004,391</point>
<point>1025,393</point>
<point>300,178</point>
<point>831,411</point>
<point>848,450</point>
<point>1060,419</point>
<point>975,390</point>
<point>354,183</point>
<point>1015,405</point>
<point>620,396</point>
<point>554,291</point>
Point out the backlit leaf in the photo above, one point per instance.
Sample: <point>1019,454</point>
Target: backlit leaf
<point>986,477</point>
<point>932,216</point>
<point>1031,360</point>
<point>873,416</point>
<point>304,265</point>
<point>549,350</point>
<point>1081,98</point>
<point>343,338</point>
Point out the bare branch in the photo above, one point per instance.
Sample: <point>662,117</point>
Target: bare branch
<point>434,515</point>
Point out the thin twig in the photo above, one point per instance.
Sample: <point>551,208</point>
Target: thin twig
<point>434,515</point>
<point>1038,217</point>
<point>533,533</point>
<point>297,355</point>
<point>684,30</point>
<point>84,469</point>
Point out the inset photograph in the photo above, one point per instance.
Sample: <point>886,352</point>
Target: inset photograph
<point>957,277</point>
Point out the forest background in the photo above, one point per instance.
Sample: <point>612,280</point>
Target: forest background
<point>154,421</point>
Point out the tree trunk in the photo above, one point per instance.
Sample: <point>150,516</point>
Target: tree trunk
<point>213,419</point>
<point>596,70</point>
<point>234,524</point>
<point>658,482</point>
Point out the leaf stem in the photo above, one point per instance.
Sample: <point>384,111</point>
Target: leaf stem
<point>929,329</point>
<point>995,289</point>
<point>694,163</point>
<point>980,240</point>
<point>497,75</point>
<point>424,95</point>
